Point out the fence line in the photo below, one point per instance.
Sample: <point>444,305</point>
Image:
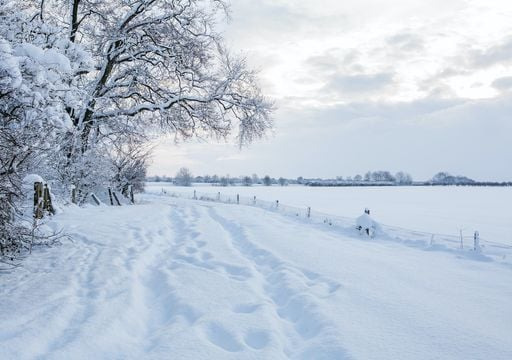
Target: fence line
<point>395,233</point>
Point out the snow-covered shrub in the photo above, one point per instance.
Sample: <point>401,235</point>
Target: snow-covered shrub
<point>130,160</point>
<point>366,225</point>
<point>35,91</point>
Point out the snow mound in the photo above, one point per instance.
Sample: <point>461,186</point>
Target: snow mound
<point>30,179</point>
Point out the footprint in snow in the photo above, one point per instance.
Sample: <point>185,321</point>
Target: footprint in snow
<point>205,256</point>
<point>246,308</point>
<point>257,339</point>
<point>223,338</point>
<point>191,250</point>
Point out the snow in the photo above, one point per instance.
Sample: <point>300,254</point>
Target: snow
<point>365,222</point>
<point>433,209</point>
<point>201,280</point>
<point>46,57</point>
<point>30,179</point>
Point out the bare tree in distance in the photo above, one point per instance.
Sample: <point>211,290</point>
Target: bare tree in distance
<point>183,177</point>
<point>247,181</point>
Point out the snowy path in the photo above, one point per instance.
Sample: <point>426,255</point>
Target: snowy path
<point>191,280</point>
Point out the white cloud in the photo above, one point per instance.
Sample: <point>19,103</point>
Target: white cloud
<point>404,84</point>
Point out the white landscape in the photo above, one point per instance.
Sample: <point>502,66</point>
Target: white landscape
<point>255,179</point>
<point>190,279</point>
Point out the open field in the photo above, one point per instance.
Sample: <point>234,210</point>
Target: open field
<point>184,279</point>
<point>445,210</point>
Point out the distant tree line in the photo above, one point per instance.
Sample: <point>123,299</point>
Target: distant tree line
<point>371,178</point>
<point>184,177</point>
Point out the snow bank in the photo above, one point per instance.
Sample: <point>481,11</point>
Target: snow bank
<point>209,281</point>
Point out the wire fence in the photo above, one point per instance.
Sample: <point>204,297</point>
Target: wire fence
<point>471,242</point>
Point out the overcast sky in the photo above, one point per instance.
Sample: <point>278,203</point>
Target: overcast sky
<point>414,85</point>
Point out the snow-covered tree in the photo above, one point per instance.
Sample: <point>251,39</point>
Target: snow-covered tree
<point>247,181</point>
<point>36,68</point>
<point>267,181</point>
<point>130,160</point>
<point>159,64</point>
<point>183,177</point>
<point>403,178</point>
<point>255,179</point>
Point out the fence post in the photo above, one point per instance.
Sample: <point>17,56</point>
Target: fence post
<point>254,200</point>
<point>277,204</point>
<point>96,200</point>
<point>47,200</point>
<point>132,198</point>
<point>195,195</point>
<point>38,200</point>
<point>432,240</point>
<point>476,242</point>
<point>461,240</point>
<point>218,196</point>
<point>73,194</point>
<point>110,197</point>
<point>309,212</point>
<point>238,198</point>
<point>117,199</point>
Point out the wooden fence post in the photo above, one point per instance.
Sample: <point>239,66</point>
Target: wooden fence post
<point>38,200</point>
<point>110,196</point>
<point>476,242</point>
<point>132,198</point>
<point>309,212</point>
<point>96,200</point>
<point>115,197</point>
<point>47,200</point>
<point>218,196</point>
<point>277,204</point>
<point>461,240</point>
<point>73,194</point>
<point>254,200</point>
<point>195,195</point>
<point>237,198</point>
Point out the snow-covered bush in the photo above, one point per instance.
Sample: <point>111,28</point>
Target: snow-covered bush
<point>184,177</point>
<point>83,83</point>
<point>129,159</point>
<point>366,225</point>
<point>35,91</point>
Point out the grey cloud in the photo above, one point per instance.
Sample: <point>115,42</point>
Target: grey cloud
<point>501,53</point>
<point>323,63</point>
<point>333,59</point>
<point>406,42</point>
<point>270,20</point>
<point>503,83</point>
<point>359,83</point>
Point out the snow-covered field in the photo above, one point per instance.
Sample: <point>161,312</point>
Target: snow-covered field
<point>445,210</point>
<point>181,279</point>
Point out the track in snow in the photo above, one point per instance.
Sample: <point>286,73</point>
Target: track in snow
<point>195,280</point>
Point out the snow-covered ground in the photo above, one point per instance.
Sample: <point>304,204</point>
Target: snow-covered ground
<point>182,279</point>
<point>445,210</point>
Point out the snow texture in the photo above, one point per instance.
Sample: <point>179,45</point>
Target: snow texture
<point>183,279</point>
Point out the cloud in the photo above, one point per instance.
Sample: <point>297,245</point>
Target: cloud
<point>406,42</point>
<point>501,53</point>
<point>503,83</point>
<point>358,83</point>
